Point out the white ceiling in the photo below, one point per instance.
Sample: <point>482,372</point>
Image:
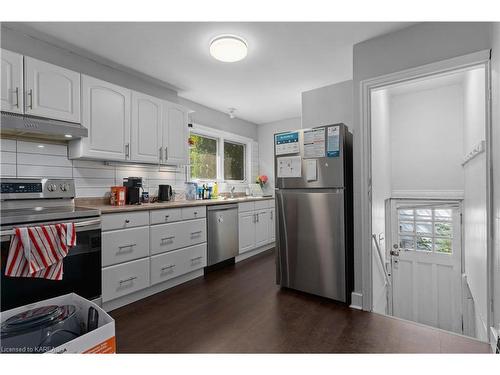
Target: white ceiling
<point>284,59</point>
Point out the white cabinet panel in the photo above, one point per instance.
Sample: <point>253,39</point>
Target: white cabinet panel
<point>176,263</point>
<point>124,220</point>
<point>106,115</point>
<point>165,216</point>
<point>193,212</point>
<point>246,206</point>
<point>175,134</point>
<point>262,228</point>
<point>168,237</point>
<point>12,82</point>
<point>125,278</point>
<point>146,128</point>
<point>124,245</point>
<point>51,91</point>
<point>246,231</point>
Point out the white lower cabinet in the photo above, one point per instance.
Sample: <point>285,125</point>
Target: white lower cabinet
<point>139,252</point>
<point>256,224</point>
<point>125,278</point>
<point>176,263</point>
<point>124,245</point>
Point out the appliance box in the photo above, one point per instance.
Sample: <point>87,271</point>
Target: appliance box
<point>99,341</point>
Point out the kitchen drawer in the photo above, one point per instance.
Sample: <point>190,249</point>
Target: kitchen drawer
<point>246,206</point>
<point>194,212</point>
<point>165,216</point>
<point>168,237</point>
<point>125,220</point>
<point>259,205</point>
<point>125,278</point>
<point>124,245</point>
<point>176,263</point>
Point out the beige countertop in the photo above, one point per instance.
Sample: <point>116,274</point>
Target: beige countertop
<point>107,208</point>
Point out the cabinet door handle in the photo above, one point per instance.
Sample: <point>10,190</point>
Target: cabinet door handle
<point>30,94</point>
<point>197,232</point>
<point>127,150</point>
<point>257,216</point>
<point>271,214</point>
<point>166,217</point>
<point>17,97</point>
<point>193,259</point>
<point>127,221</point>
<point>168,267</point>
<point>166,154</point>
<point>127,280</point>
<point>161,154</point>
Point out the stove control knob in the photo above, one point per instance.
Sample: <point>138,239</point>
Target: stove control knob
<point>52,187</point>
<point>64,187</point>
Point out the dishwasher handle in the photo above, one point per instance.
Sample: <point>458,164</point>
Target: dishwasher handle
<point>223,207</point>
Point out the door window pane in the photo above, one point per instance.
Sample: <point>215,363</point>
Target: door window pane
<point>424,214</point>
<point>406,215</point>
<point>443,214</point>
<point>203,157</point>
<point>443,229</point>
<point>234,161</point>
<point>424,243</point>
<point>443,245</point>
<point>406,242</point>
<point>406,226</point>
<point>424,228</point>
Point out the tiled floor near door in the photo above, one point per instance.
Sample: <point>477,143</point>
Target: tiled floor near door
<point>240,310</point>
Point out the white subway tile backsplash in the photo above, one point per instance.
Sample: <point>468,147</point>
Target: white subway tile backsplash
<point>93,173</point>
<point>44,171</point>
<point>41,159</point>
<point>8,170</point>
<point>45,149</point>
<point>7,157</point>
<point>8,145</point>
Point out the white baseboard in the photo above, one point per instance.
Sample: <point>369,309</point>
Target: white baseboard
<point>140,294</point>
<point>356,301</point>
<point>251,253</point>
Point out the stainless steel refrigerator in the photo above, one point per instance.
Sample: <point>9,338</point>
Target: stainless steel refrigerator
<point>313,190</point>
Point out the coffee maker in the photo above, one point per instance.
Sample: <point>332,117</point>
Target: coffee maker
<point>133,186</point>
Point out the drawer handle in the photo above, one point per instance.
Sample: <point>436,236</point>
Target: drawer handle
<point>195,213</point>
<point>197,232</point>
<point>127,280</point>
<point>167,238</point>
<point>168,267</point>
<point>166,217</point>
<point>127,221</point>
<point>126,246</point>
<point>193,259</point>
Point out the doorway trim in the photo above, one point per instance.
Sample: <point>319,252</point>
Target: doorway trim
<point>440,67</point>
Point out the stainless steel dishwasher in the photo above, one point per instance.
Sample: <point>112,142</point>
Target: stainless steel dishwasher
<point>222,232</point>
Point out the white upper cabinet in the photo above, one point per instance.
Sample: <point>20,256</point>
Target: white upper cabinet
<point>12,82</point>
<point>175,134</point>
<point>106,115</point>
<point>51,91</point>
<point>145,138</point>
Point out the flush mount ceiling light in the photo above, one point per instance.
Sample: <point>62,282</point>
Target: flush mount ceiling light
<point>228,48</point>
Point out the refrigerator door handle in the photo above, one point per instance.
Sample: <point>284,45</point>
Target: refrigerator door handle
<point>282,243</point>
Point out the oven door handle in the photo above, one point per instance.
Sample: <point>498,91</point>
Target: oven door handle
<point>79,225</point>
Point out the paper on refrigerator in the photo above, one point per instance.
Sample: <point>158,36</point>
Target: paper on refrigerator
<point>289,166</point>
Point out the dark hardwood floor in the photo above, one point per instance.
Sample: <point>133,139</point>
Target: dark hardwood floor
<point>239,309</point>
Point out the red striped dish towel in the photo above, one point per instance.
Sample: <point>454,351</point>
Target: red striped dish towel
<point>39,251</point>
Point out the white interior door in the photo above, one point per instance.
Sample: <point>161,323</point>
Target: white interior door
<point>426,263</point>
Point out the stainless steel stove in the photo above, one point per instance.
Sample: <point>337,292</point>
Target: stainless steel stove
<point>42,201</point>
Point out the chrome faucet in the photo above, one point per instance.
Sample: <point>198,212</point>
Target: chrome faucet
<point>232,191</point>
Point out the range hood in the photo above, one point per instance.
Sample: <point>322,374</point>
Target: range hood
<point>41,128</point>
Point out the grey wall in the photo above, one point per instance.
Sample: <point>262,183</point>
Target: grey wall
<point>218,120</point>
<point>495,70</point>
<point>411,47</point>
<point>43,47</point>
<point>327,105</point>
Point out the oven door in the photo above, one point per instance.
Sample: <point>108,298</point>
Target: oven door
<point>81,270</point>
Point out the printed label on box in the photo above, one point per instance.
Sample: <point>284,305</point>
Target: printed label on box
<point>333,142</point>
<point>287,143</point>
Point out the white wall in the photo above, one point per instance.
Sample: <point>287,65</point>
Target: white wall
<point>327,105</point>
<point>427,143</point>
<point>495,84</point>
<point>417,45</point>
<point>266,147</point>
<point>475,208</point>
<point>381,180</point>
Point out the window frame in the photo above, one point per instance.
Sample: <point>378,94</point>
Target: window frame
<point>221,137</point>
